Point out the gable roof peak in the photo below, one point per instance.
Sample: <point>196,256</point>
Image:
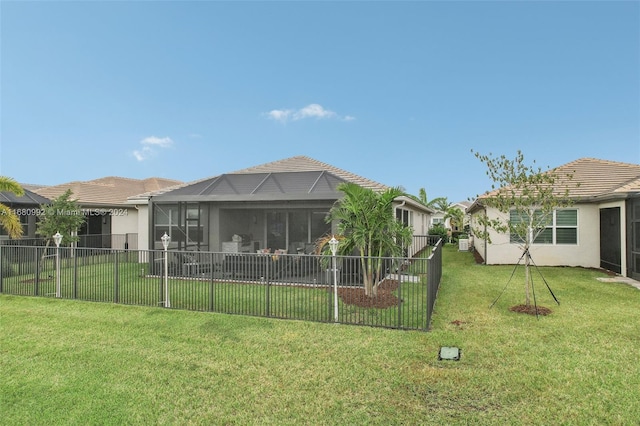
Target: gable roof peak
<point>302,163</point>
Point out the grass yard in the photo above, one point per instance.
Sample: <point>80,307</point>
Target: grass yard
<point>70,362</point>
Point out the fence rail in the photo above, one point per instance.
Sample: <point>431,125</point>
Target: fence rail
<point>288,286</point>
<point>112,241</point>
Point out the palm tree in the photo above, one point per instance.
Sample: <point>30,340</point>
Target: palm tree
<point>367,224</point>
<point>455,216</point>
<point>430,203</point>
<point>9,220</point>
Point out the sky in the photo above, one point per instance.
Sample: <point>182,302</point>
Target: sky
<point>397,92</point>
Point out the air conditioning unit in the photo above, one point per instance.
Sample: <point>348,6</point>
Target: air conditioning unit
<point>463,244</point>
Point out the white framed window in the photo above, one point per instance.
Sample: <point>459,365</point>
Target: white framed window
<point>561,229</point>
<point>404,216</point>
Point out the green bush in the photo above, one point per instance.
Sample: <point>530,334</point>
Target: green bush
<point>440,231</point>
<point>457,235</point>
<point>7,269</point>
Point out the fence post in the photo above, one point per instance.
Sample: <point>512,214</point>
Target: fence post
<point>212,287</point>
<point>37,275</point>
<point>400,295</point>
<point>75,277</point>
<point>161,282</point>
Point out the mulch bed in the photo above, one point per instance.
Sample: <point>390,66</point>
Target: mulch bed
<point>530,310</point>
<point>384,299</point>
<point>477,257</point>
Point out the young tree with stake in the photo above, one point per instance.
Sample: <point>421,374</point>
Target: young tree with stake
<point>525,197</point>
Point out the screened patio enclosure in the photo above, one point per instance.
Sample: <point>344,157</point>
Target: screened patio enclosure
<point>246,212</point>
<point>237,229</point>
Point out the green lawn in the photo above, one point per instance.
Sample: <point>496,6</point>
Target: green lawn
<point>70,362</point>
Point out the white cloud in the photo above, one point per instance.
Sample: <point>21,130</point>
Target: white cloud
<point>279,114</point>
<point>313,110</point>
<point>155,141</point>
<point>142,154</point>
<point>149,145</point>
<point>310,111</point>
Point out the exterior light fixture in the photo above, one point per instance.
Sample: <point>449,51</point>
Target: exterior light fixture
<point>165,240</point>
<point>333,246</point>
<point>165,243</point>
<point>57,239</point>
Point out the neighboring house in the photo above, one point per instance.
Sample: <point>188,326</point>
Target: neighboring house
<point>104,204</point>
<point>26,207</point>
<point>600,230</point>
<point>281,205</point>
<point>438,218</point>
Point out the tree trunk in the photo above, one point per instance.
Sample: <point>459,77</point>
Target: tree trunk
<point>369,289</point>
<point>44,254</point>
<point>527,279</point>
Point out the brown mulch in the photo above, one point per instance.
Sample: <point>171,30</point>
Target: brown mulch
<point>384,299</point>
<point>530,310</point>
<point>477,257</point>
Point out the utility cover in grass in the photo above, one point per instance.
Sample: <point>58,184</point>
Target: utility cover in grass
<point>449,353</point>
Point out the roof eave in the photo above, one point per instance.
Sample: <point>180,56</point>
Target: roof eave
<point>328,196</point>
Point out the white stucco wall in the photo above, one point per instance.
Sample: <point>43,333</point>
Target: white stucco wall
<point>123,221</point>
<point>143,226</point>
<point>586,253</point>
<point>419,220</point>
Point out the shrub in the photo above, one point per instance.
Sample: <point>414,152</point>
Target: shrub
<point>440,231</point>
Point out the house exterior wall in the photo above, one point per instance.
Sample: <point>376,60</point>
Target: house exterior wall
<point>585,253</point>
<point>142,219</point>
<point>124,221</point>
<point>418,219</point>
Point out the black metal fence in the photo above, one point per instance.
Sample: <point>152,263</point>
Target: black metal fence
<point>290,286</point>
<point>113,241</point>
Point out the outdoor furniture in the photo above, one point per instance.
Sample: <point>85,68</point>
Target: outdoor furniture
<point>301,265</point>
<point>254,266</point>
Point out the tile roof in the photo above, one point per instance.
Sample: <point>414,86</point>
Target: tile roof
<point>107,191</point>
<point>593,179</point>
<point>302,163</point>
<point>598,178</point>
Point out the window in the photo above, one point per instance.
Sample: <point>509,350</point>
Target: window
<point>562,228</point>
<point>404,216</point>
